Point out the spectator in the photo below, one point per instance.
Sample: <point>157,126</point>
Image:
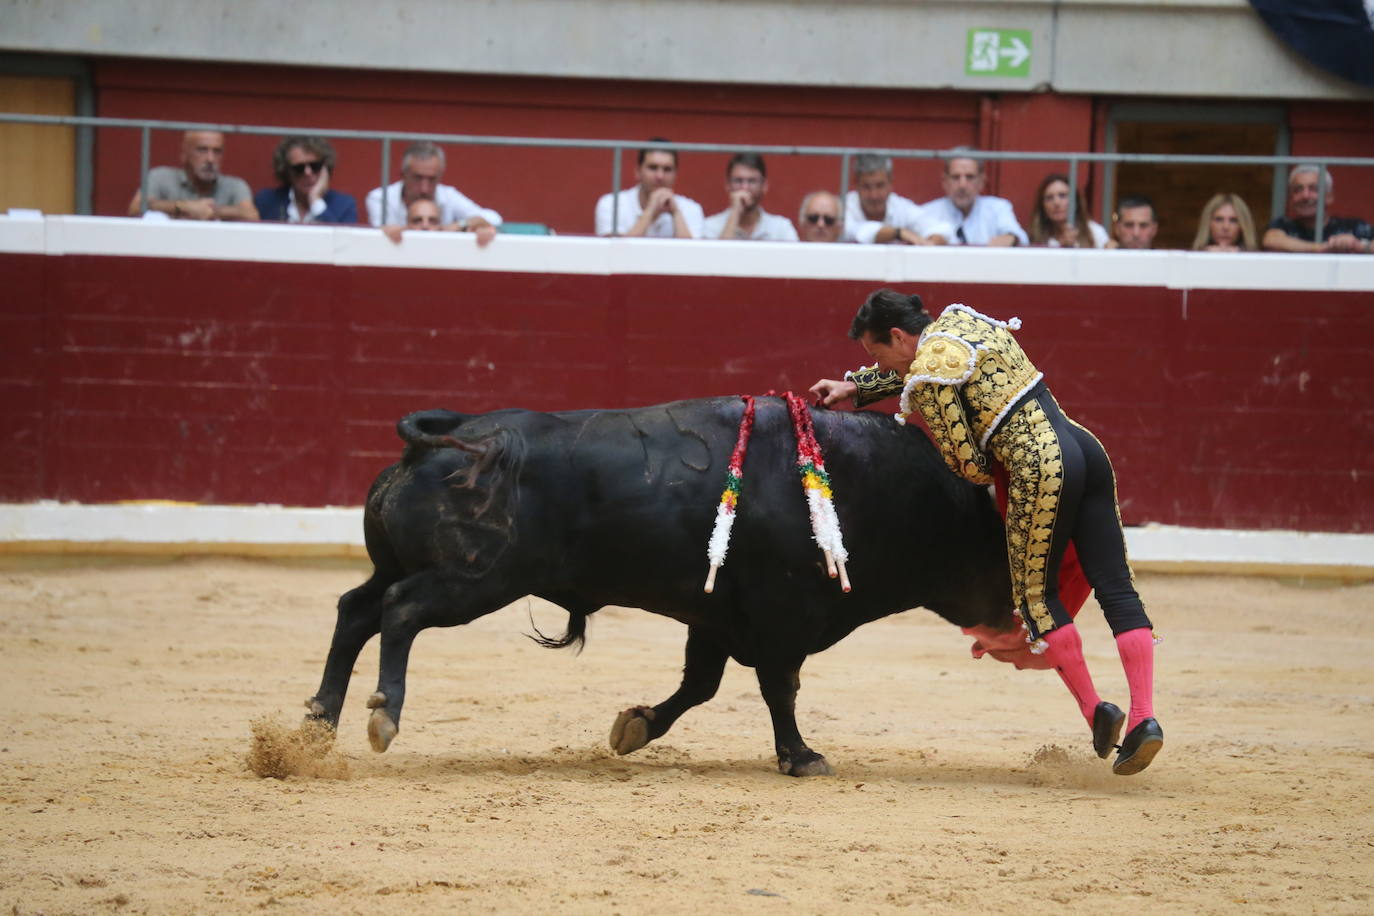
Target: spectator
<point>1050,225</point>
<point>1225,225</point>
<point>304,166</point>
<point>197,190</point>
<point>746,181</point>
<point>651,209</point>
<point>874,213</point>
<point>423,215</point>
<point>821,217</point>
<point>422,167</point>
<point>1296,231</point>
<point>976,219</point>
<point>1135,224</point>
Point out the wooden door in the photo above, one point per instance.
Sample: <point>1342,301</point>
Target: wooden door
<point>37,162</point>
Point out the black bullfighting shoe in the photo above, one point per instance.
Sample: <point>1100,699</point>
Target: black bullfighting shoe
<point>1139,748</point>
<point>1107,721</point>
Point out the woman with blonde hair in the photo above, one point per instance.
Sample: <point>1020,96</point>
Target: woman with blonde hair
<point>1050,225</point>
<point>1226,225</point>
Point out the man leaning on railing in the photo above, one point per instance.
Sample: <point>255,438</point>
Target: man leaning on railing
<point>197,190</point>
<point>422,171</point>
<point>1296,229</point>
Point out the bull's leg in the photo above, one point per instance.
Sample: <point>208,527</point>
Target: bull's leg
<point>701,673</point>
<point>427,599</point>
<point>359,619</point>
<point>779,684</point>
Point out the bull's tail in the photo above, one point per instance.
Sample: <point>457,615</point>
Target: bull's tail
<point>432,429</point>
<point>576,633</point>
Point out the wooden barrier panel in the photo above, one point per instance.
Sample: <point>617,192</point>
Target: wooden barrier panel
<point>239,364</point>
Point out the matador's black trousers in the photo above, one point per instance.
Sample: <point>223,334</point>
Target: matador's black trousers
<point>1061,487</point>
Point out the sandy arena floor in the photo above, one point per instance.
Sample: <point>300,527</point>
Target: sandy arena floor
<point>963,786</point>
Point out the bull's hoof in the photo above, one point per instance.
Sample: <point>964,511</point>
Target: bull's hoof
<point>315,709</point>
<point>631,730</point>
<point>807,764</point>
<point>381,728</point>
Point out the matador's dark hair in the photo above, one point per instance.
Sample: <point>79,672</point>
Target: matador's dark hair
<point>887,309</point>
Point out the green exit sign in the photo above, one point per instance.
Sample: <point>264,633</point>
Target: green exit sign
<point>998,52</point>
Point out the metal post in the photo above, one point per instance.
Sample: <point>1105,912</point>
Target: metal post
<point>1109,177</point>
<point>1321,203</point>
<point>143,157</point>
<point>1073,200</point>
<point>615,191</point>
<point>85,149</point>
<point>386,171</point>
<point>844,179</point>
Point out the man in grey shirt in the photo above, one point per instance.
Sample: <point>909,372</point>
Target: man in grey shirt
<point>197,190</point>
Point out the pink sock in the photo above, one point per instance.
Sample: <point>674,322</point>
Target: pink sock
<point>1137,651</point>
<point>1065,653</point>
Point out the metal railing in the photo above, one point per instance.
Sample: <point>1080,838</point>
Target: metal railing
<point>618,147</point>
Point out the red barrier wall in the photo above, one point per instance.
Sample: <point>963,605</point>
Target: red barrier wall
<point>231,382</point>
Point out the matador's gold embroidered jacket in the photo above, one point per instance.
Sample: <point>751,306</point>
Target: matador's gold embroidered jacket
<point>967,374</point>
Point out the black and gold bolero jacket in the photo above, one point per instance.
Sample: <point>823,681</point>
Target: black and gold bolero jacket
<point>967,374</point>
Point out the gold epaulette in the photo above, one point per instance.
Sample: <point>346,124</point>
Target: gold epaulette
<point>942,359</point>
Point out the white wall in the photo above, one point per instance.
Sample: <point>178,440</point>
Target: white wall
<point>173,529</point>
<point>1195,48</point>
<point>352,246</point>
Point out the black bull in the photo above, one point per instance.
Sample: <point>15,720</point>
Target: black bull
<point>615,507</point>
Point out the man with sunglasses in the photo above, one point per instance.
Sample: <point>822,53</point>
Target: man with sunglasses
<point>197,190</point>
<point>304,166</point>
<point>821,217</point>
<point>746,181</point>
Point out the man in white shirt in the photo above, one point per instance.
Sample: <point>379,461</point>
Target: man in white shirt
<point>650,209</point>
<point>422,167</point>
<point>874,213</point>
<point>977,219</point>
<point>746,181</point>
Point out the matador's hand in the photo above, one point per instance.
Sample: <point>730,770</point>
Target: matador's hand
<point>828,392</point>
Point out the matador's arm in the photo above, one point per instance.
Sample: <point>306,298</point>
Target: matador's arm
<point>874,384</point>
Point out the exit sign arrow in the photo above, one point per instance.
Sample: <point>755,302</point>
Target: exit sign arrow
<point>998,52</point>
<point>1017,54</point>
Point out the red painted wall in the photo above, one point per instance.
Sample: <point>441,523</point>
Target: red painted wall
<point>225,382</point>
<point>1336,129</point>
<point>1040,122</point>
